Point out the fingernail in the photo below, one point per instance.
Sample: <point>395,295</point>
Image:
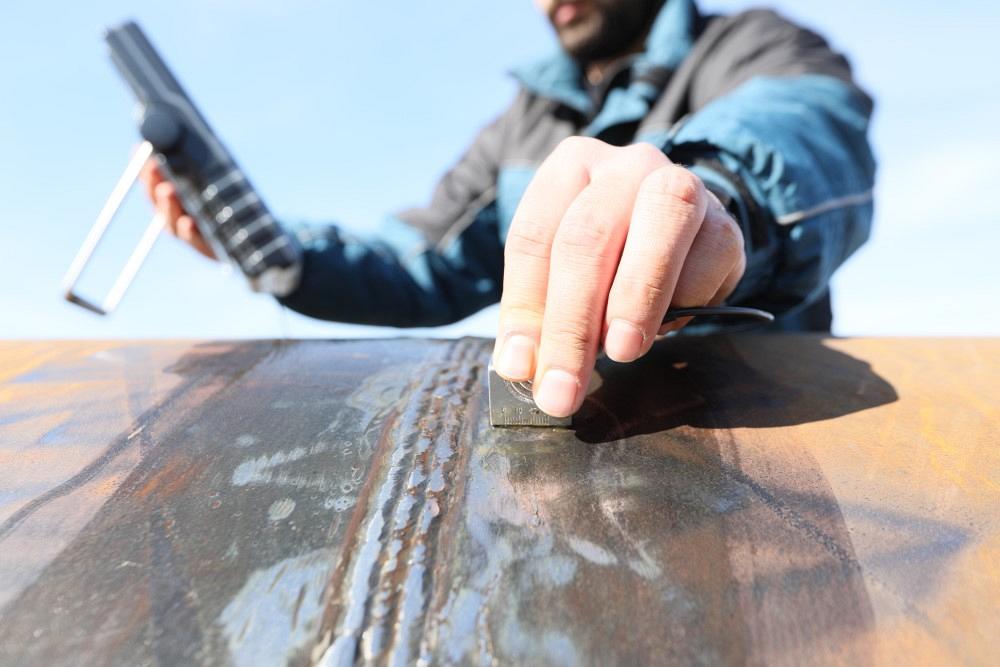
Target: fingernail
<point>556,393</point>
<point>517,358</point>
<point>624,341</point>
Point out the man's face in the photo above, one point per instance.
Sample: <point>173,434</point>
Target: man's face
<point>592,30</point>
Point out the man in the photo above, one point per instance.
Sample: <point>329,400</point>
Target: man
<point>662,158</point>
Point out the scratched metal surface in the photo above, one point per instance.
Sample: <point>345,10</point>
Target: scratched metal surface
<point>727,501</point>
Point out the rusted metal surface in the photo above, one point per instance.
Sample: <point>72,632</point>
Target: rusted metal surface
<point>726,500</point>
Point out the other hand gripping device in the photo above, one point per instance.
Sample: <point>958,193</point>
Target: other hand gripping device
<point>229,213</point>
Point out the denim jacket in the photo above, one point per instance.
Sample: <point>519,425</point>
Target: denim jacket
<point>762,110</point>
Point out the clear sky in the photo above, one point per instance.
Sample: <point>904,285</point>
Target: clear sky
<point>347,110</point>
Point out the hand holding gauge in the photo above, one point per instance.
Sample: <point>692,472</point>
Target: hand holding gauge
<point>229,213</point>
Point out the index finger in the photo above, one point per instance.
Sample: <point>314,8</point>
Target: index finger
<point>151,177</point>
<point>560,178</point>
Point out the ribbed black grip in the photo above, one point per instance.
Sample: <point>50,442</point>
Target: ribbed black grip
<point>229,212</point>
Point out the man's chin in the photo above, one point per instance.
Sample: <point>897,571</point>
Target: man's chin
<point>580,39</point>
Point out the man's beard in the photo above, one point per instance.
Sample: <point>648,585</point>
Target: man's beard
<point>612,29</point>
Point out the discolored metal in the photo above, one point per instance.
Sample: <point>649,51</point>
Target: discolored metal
<point>725,500</point>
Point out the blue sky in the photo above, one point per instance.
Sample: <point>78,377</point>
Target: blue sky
<point>343,111</point>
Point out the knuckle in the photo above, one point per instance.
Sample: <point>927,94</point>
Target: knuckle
<point>641,296</point>
<point>572,342</point>
<point>517,312</point>
<point>575,146</point>
<point>645,154</point>
<point>687,187</point>
<point>632,162</point>
<point>726,235</point>
<point>526,238</point>
<point>675,184</point>
<point>587,236</point>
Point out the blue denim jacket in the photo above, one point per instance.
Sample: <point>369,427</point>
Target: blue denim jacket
<point>761,109</point>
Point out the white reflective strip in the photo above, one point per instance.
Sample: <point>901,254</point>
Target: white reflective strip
<point>244,202</point>
<point>234,176</point>
<point>829,205</point>
<point>259,255</point>
<point>244,233</point>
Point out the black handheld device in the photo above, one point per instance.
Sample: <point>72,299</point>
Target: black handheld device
<point>229,212</point>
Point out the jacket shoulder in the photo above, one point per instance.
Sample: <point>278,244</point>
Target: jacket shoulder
<point>762,42</point>
<point>733,49</point>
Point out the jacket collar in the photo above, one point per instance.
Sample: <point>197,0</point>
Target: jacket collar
<point>560,78</point>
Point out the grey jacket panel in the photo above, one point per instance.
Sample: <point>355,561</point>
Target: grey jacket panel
<point>731,50</point>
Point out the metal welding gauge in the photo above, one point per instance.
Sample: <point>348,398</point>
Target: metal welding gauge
<point>229,212</point>
<point>513,404</point>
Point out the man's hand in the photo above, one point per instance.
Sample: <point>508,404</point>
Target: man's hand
<point>604,240</point>
<point>161,192</point>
